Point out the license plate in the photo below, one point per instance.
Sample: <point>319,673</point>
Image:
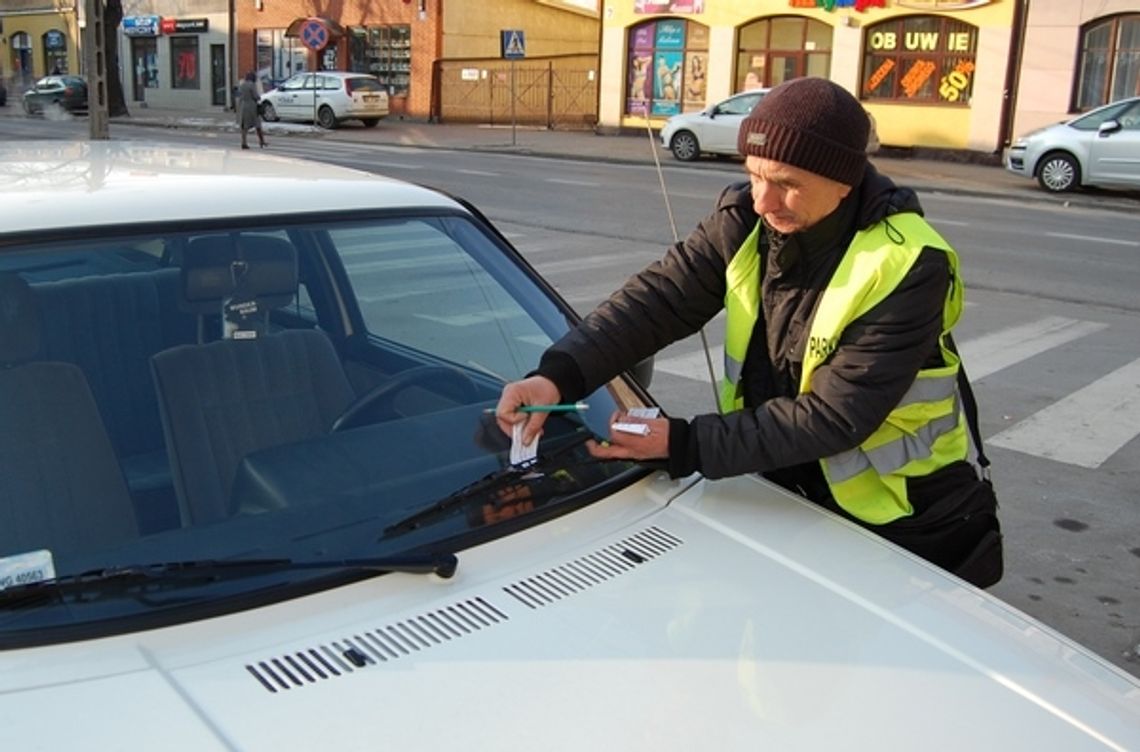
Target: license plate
<point>371,98</point>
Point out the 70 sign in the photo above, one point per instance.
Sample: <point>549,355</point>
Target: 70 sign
<point>954,83</point>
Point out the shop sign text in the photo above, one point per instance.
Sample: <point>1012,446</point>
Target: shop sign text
<point>829,5</point>
<point>919,41</point>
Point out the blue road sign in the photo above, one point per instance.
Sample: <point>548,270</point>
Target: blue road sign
<point>314,34</point>
<point>513,43</point>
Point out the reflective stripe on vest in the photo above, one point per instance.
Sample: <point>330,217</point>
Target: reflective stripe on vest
<point>927,429</point>
<point>742,307</point>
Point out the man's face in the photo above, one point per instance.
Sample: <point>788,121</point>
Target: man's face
<point>790,199</point>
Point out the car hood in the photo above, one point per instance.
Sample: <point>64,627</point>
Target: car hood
<point>676,614</point>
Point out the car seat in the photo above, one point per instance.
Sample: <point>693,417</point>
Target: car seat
<point>251,389</point>
<point>61,487</point>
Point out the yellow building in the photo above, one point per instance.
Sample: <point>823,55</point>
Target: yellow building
<point>933,73</point>
<point>38,37</point>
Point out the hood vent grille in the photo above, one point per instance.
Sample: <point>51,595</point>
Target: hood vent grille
<point>380,645</point>
<point>573,577</point>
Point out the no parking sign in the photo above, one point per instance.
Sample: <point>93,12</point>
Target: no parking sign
<point>314,34</point>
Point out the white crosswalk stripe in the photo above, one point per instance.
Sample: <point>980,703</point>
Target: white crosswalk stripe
<point>993,352</point>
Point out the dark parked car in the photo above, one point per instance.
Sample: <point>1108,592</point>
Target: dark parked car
<point>3,94</point>
<point>68,93</point>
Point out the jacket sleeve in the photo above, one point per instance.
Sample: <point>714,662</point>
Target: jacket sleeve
<point>667,301</point>
<point>877,359</point>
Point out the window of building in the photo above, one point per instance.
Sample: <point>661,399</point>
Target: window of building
<point>668,60</point>
<point>184,62</point>
<point>55,51</point>
<point>925,59</point>
<point>144,65</point>
<point>775,50</point>
<point>385,52</point>
<point>278,56</point>
<point>1109,67</point>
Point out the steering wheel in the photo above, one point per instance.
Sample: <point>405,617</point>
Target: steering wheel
<point>380,400</point>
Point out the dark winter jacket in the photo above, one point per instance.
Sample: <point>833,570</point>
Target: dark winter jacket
<point>780,432</point>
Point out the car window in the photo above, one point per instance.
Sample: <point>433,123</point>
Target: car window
<point>1130,118</point>
<point>293,83</point>
<point>1093,120</point>
<point>330,83</point>
<point>739,105</point>
<point>364,83</point>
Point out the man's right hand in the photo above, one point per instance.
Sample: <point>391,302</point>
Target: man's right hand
<point>535,390</point>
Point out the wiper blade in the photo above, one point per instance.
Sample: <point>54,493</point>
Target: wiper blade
<point>491,482</point>
<point>442,564</point>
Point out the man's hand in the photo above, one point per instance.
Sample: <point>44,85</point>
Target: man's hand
<point>630,446</point>
<point>536,390</point>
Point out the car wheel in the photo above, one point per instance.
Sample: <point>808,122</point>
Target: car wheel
<point>268,112</point>
<point>326,118</point>
<point>1058,172</point>
<point>28,108</point>
<point>370,122</point>
<point>684,146</point>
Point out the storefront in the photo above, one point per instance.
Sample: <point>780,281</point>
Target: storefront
<point>177,62</point>
<point>932,72</point>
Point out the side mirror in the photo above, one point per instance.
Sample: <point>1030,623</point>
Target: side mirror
<point>1108,127</point>
<point>643,372</point>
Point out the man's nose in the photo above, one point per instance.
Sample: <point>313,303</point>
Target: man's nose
<point>765,197</point>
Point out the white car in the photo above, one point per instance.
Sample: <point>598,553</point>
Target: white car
<point>712,130</point>
<point>251,499</point>
<point>327,98</point>
<point>1100,148</point>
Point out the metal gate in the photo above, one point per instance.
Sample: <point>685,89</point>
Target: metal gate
<point>559,92</point>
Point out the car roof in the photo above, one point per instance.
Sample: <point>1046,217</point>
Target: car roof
<point>62,184</point>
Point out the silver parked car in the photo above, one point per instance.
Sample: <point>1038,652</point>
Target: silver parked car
<point>1100,148</point>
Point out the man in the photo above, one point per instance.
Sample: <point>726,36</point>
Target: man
<point>841,378</point>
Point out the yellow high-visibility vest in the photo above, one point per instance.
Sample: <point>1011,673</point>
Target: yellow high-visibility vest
<point>927,430</point>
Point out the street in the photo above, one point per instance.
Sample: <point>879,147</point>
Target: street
<point>1050,338</point>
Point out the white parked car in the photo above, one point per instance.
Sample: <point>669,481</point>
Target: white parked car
<point>251,499</point>
<point>327,98</point>
<point>712,130</point>
<point>1100,148</point>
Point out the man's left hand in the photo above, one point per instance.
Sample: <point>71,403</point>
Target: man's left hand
<point>628,446</point>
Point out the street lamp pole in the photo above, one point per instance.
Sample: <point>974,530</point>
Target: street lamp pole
<point>95,68</point>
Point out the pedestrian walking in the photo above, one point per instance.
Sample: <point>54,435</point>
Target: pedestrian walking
<point>248,112</point>
<point>841,382</point>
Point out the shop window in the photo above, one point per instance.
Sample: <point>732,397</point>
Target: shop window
<point>278,56</point>
<point>385,52</point>
<point>55,51</point>
<point>144,64</point>
<point>668,64</point>
<point>925,59</point>
<point>1109,66</point>
<point>775,50</point>
<point>21,58</point>
<point>184,62</point>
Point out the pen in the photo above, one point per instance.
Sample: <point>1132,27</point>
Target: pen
<point>566,408</point>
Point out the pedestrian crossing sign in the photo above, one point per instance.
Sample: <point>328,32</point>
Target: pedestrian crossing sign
<point>513,44</point>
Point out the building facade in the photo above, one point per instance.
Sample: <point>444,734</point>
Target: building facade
<point>37,37</point>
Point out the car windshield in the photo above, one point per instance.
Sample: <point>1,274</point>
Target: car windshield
<point>313,392</point>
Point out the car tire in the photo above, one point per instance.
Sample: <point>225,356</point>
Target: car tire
<point>28,109</point>
<point>370,122</point>
<point>1058,172</point>
<point>685,146</point>
<point>326,118</point>
<point>268,112</point>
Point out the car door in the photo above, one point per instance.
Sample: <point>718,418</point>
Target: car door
<point>295,100</point>
<point>724,124</point>
<point>1114,157</point>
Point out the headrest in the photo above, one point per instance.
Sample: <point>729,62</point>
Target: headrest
<point>216,268</point>
<point>19,321</point>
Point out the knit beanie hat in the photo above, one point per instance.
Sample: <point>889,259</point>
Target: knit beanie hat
<point>810,123</point>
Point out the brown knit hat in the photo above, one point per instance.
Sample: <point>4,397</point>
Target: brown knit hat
<point>810,123</point>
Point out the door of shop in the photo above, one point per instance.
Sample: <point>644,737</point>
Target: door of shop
<point>218,74</point>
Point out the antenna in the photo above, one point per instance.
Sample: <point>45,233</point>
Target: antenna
<point>677,239</point>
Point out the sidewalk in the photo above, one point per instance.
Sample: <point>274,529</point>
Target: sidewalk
<point>923,174</point>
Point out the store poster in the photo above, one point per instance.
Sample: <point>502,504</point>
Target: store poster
<point>668,73</point>
<point>669,6</point>
<point>641,69</point>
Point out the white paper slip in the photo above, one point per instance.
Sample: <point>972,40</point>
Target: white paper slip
<point>644,412</point>
<point>641,429</point>
<point>23,569</point>
<point>521,452</point>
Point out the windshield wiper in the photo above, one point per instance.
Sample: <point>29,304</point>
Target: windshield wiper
<point>497,480</point>
<point>206,570</point>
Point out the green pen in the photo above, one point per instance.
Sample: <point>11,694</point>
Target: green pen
<point>563,408</point>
